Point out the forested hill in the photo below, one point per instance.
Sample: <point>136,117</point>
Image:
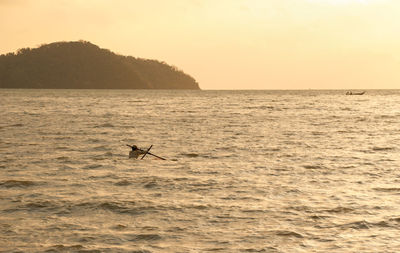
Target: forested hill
<point>82,65</point>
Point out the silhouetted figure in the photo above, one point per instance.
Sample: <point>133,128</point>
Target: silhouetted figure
<point>135,152</point>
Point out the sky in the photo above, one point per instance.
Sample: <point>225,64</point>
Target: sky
<point>228,44</point>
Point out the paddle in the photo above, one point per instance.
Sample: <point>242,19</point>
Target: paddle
<point>159,157</point>
<point>146,152</point>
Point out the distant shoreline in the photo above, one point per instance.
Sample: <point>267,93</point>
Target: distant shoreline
<point>216,90</point>
<point>83,65</point>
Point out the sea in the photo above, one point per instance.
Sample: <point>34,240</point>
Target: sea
<point>245,171</point>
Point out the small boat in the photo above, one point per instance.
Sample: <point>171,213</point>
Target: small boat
<point>355,93</point>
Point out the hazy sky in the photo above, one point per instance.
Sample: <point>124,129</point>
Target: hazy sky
<point>228,44</point>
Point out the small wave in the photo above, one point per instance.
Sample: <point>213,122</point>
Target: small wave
<point>262,107</point>
<point>66,167</point>
<point>368,225</point>
<point>268,249</point>
<point>119,227</point>
<point>37,206</point>
<point>92,166</point>
<point>86,239</point>
<point>218,249</point>
<point>41,205</point>
<point>17,183</point>
<point>62,158</point>
<point>62,148</point>
<point>17,125</point>
<point>181,179</point>
<point>361,119</point>
<point>191,155</point>
<point>123,183</point>
<point>288,234</point>
<point>385,116</point>
<point>253,211</point>
<point>301,208</point>
<point>315,133</point>
<point>389,189</point>
<point>92,140</point>
<point>397,219</point>
<point>317,217</point>
<point>101,148</point>
<point>314,167</point>
<point>106,176</point>
<point>383,224</point>
<point>150,185</point>
<point>273,149</point>
<point>129,208</point>
<point>68,248</point>
<point>356,225</point>
<point>203,185</point>
<point>137,101</point>
<point>339,209</point>
<point>112,206</point>
<point>175,229</point>
<point>105,125</point>
<point>63,138</point>
<point>141,251</point>
<point>107,114</point>
<point>62,207</point>
<point>382,148</point>
<point>198,207</point>
<point>146,237</point>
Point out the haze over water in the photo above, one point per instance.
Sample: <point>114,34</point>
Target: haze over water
<point>247,171</point>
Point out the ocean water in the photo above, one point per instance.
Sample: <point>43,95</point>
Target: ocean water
<point>246,171</point>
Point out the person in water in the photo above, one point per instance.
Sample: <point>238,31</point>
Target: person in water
<point>135,152</point>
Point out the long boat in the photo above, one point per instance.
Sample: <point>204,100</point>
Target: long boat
<point>355,93</point>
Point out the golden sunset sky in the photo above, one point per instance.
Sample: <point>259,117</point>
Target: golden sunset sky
<point>228,44</point>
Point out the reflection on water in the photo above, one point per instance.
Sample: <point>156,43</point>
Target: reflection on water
<point>247,171</point>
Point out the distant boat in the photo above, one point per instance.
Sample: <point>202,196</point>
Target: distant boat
<point>355,93</point>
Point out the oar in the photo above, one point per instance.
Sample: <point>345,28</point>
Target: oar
<point>159,157</point>
<point>146,152</point>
